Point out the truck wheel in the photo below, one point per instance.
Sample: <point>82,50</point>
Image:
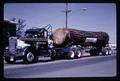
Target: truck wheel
<point>71,54</point>
<point>8,60</point>
<point>105,51</point>
<point>30,57</point>
<point>92,52</point>
<point>110,52</point>
<point>78,54</point>
<point>54,56</point>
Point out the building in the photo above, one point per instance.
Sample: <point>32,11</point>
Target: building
<point>9,29</point>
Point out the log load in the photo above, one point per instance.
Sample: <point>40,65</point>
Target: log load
<point>63,37</point>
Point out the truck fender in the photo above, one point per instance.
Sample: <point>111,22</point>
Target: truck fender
<point>25,48</point>
<point>28,52</point>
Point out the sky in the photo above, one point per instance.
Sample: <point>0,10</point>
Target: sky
<point>96,17</point>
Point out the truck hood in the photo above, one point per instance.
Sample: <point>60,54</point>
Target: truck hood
<point>21,43</point>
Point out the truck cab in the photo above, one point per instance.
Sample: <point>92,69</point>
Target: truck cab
<point>37,43</point>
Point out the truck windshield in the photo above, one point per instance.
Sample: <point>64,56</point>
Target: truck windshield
<point>36,33</point>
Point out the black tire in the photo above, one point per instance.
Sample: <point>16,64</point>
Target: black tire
<point>106,51</point>
<point>71,54</point>
<point>94,51</point>
<point>30,57</point>
<point>78,54</point>
<point>110,52</point>
<point>7,59</point>
<point>54,55</point>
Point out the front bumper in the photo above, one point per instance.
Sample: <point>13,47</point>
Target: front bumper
<point>15,55</point>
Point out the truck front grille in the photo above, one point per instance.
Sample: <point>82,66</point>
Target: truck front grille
<point>12,44</point>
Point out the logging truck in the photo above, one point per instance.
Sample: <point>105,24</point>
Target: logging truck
<point>63,43</point>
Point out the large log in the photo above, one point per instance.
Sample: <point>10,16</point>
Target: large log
<point>63,36</point>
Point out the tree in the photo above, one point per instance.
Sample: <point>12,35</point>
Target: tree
<point>19,27</point>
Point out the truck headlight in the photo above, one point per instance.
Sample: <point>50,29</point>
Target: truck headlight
<point>6,48</point>
<point>19,49</point>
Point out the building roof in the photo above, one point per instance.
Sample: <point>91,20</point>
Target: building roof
<point>12,22</point>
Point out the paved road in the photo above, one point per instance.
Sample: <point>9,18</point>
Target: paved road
<point>87,66</point>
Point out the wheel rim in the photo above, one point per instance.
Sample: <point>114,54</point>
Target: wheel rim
<point>79,54</point>
<point>107,52</point>
<point>12,59</point>
<point>30,56</point>
<point>72,54</point>
<point>110,52</point>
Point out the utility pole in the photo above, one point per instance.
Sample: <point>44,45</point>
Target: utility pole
<point>66,15</point>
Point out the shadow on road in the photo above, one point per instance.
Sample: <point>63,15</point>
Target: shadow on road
<point>21,62</point>
<point>49,60</point>
<point>40,69</point>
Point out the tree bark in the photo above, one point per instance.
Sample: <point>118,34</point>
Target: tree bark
<point>63,36</point>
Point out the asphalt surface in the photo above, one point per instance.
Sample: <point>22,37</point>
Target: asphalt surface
<point>86,66</point>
